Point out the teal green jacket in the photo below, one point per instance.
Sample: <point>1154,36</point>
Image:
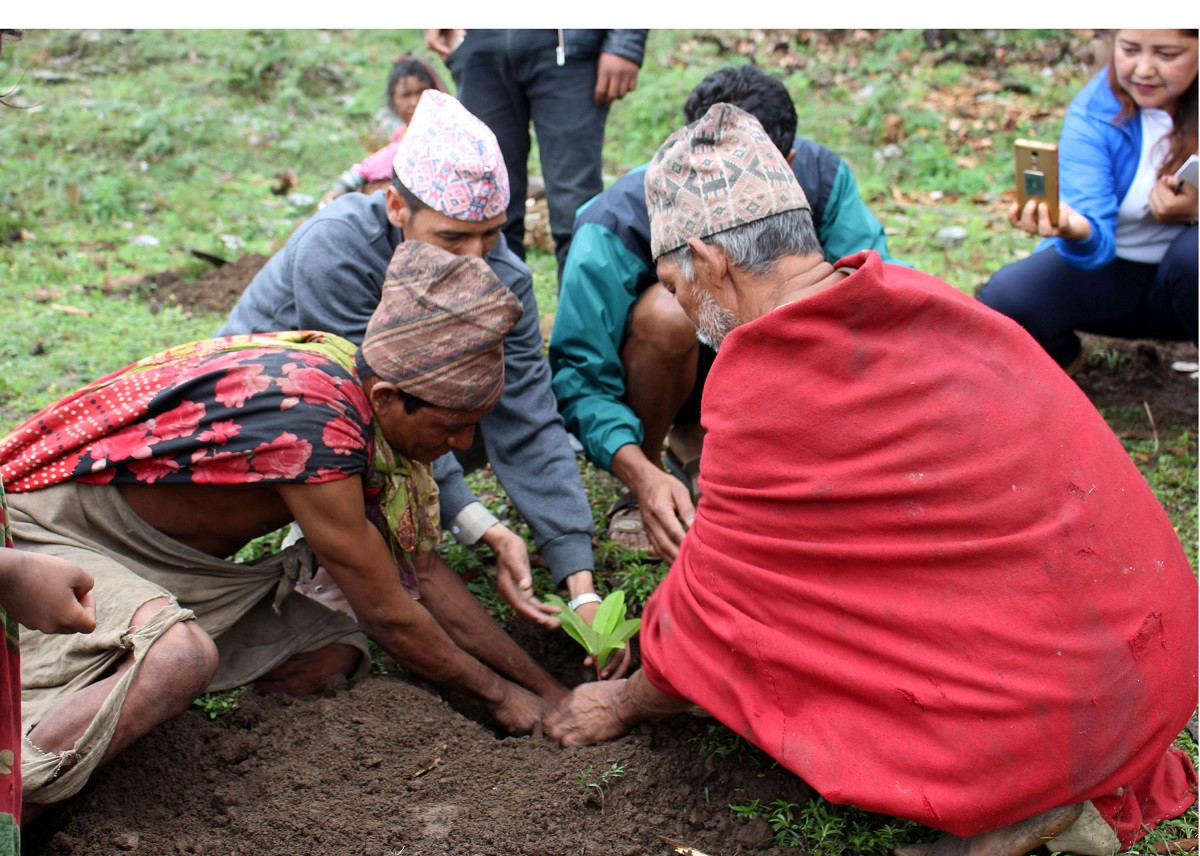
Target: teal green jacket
<point>609,266</point>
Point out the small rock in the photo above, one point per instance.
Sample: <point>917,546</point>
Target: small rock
<point>755,835</point>
<point>372,761</point>
<point>889,152</point>
<point>301,200</point>
<point>126,840</point>
<point>144,241</point>
<point>951,237</point>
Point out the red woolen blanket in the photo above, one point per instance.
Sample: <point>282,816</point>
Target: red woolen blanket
<point>924,574</point>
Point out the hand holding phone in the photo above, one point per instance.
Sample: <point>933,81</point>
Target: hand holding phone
<point>1037,175</point>
<point>1187,173</point>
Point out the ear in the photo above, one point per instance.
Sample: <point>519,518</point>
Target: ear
<point>711,263</point>
<point>713,272</point>
<point>381,394</point>
<point>398,212</point>
<point>791,157</point>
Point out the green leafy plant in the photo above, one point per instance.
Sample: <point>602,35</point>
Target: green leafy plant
<point>217,704</point>
<point>609,631</point>
<point>593,787</point>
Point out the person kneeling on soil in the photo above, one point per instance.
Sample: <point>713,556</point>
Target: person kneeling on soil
<point>924,574</point>
<point>149,476</point>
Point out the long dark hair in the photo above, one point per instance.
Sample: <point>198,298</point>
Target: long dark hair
<point>1182,139</point>
<point>407,65</point>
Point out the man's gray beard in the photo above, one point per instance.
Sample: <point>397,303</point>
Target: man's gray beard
<point>713,322</point>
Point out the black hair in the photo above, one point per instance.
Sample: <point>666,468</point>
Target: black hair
<point>407,65</point>
<point>415,205</point>
<point>362,368</point>
<point>760,94</point>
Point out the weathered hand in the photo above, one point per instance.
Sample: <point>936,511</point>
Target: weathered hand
<point>615,78</point>
<point>1034,218</point>
<point>46,593</point>
<point>520,711</point>
<point>666,508</point>
<point>514,578</point>
<point>1167,206</point>
<point>443,42</point>
<point>590,714</point>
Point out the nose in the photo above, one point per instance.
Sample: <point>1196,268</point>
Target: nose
<point>461,439</point>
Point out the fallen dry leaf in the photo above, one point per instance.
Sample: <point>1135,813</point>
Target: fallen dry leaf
<point>433,764</point>
<point>67,309</point>
<point>45,295</point>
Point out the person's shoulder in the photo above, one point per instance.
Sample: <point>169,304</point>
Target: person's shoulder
<point>362,215</point>
<point>1096,98</point>
<point>622,202</point>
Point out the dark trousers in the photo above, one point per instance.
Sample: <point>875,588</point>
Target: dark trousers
<point>1130,300</point>
<point>509,78</point>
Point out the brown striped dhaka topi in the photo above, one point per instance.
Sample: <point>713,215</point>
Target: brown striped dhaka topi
<point>719,172</point>
<point>439,328</point>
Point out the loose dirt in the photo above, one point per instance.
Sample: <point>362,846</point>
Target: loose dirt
<point>389,765</point>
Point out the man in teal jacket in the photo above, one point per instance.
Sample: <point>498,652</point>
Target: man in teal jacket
<point>627,366</point>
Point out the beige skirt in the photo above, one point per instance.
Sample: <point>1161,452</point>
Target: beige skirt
<point>251,610</point>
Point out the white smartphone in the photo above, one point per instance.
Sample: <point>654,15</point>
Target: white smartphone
<point>1187,172</point>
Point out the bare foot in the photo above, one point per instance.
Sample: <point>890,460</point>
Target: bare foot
<point>1016,839</point>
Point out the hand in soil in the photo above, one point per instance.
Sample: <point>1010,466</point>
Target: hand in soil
<point>590,714</point>
<point>520,711</point>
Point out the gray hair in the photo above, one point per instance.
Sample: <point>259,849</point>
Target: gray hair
<point>755,247</point>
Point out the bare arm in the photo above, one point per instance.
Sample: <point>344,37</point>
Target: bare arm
<point>354,553</point>
<point>466,621</point>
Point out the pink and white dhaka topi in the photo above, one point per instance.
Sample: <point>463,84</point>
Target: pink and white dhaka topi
<point>451,161</point>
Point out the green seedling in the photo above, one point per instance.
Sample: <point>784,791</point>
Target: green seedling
<point>608,632</point>
<point>592,786</point>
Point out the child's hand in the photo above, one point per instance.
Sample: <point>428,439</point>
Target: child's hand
<point>46,593</point>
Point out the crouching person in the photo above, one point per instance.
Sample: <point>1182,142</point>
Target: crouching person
<point>924,575</point>
<point>152,475</point>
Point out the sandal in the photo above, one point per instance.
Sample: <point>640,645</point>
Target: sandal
<point>688,473</point>
<point>625,524</point>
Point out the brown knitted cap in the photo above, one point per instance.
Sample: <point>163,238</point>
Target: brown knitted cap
<point>439,328</point>
<point>719,172</point>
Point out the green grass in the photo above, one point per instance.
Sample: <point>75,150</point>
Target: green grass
<point>182,136</point>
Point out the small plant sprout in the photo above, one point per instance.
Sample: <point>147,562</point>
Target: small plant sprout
<point>609,631</point>
<point>593,786</point>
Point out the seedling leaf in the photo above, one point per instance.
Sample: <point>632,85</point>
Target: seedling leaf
<point>617,639</point>
<point>609,632</point>
<point>610,613</point>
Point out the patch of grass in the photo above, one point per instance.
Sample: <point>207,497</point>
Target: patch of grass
<point>823,829</point>
<point>216,704</point>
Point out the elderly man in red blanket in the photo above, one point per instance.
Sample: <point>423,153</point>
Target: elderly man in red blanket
<point>152,475</point>
<point>924,574</point>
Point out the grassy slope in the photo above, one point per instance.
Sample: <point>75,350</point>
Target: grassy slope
<point>181,135</point>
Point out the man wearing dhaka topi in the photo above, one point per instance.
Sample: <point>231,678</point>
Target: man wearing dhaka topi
<point>924,575</point>
<point>150,477</point>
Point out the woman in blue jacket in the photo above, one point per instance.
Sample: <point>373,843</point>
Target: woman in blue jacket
<point>1121,260</point>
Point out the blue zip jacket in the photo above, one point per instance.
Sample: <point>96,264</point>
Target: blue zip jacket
<point>609,266</point>
<point>1097,160</point>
